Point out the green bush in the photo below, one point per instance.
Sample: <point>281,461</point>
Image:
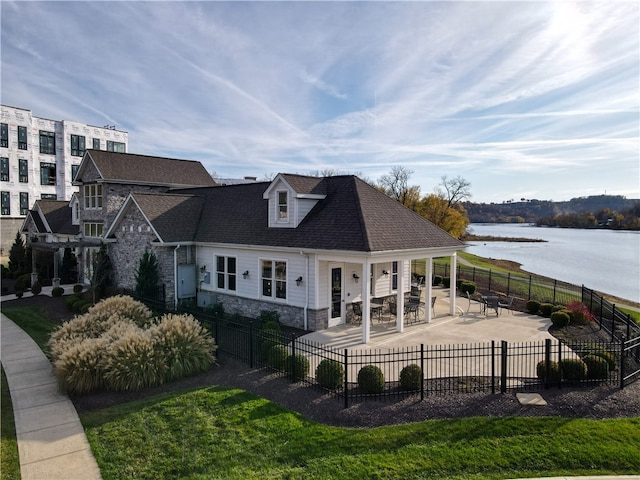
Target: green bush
<point>560,319</point>
<point>411,377</point>
<point>597,367</point>
<point>546,309</point>
<point>36,288</point>
<point>573,369</point>
<point>268,316</point>
<point>19,293</point>
<point>330,374</point>
<point>70,300</point>
<point>446,282</point>
<point>77,305</point>
<point>57,292</point>
<point>533,307</point>
<point>270,335</point>
<point>468,287</point>
<point>277,357</point>
<point>298,366</point>
<point>554,371</point>
<point>77,288</point>
<point>437,280</point>
<point>558,308</point>
<point>609,357</point>
<point>371,379</point>
<point>23,282</point>
<point>85,308</point>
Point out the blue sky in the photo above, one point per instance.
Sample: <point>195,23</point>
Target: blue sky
<point>522,99</point>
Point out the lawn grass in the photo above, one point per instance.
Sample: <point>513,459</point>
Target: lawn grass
<point>228,433</point>
<point>9,460</point>
<point>34,321</point>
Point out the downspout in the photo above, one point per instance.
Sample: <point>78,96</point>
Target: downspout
<point>175,277</point>
<point>306,300</point>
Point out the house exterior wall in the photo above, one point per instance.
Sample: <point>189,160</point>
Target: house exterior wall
<point>62,158</point>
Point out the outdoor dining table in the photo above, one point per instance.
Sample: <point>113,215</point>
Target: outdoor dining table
<point>413,306</point>
<point>490,301</point>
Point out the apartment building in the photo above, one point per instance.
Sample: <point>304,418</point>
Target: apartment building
<point>39,158</point>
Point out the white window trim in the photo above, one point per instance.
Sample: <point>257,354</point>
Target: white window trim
<point>94,228</point>
<point>279,217</point>
<point>273,296</point>
<point>92,196</point>
<point>226,273</point>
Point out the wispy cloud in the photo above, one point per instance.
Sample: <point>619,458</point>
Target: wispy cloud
<point>536,97</point>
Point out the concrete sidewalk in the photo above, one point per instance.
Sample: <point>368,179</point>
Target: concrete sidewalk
<point>51,440</point>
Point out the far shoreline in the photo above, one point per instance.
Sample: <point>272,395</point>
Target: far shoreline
<point>469,237</point>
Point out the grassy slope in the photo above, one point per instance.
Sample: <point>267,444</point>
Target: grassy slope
<point>228,433</point>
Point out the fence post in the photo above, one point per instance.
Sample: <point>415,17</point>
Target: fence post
<point>622,362</point>
<point>555,284</point>
<point>613,322</point>
<point>293,357</point>
<point>530,280</point>
<point>547,363</point>
<point>251,344</point>
<point>346,378</point>
<point>559,363</point>
<point>503,373</point>
<point>493,367</point>
<point>489,279</point>
<point>422,370</point>
<point>473,274</point>
<point>508,283</point>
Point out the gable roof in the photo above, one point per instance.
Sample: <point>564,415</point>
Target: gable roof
<point>354,216</point>
<point>128,168</point>
<point>173,217</point>
<point>53,216</point>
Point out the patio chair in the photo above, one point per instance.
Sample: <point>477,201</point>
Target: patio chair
<point>357,312</point>
<point>476,299</point>
<point>506,303</point>
<point>433,303</point>
<point>491,303</point>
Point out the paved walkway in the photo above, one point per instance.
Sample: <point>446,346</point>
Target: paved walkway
<point>52,444</point>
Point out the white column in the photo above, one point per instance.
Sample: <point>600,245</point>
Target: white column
<point>453,278</point>
<point>428,281</point>
<point>400,298</point>
<point>366,301</point>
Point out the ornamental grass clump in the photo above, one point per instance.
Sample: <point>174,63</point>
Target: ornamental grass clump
<point>118,345</point>
<point>133,363</point>
<point>80,368</point>
<point>184,344</point>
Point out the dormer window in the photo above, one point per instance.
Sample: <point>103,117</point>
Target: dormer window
<point>283,206</point>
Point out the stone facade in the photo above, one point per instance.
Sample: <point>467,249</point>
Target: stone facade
<point>289,315</point>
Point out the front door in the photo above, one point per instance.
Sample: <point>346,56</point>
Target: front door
<point>336,292</point>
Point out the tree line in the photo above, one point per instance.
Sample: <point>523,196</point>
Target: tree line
<point>628,219</point>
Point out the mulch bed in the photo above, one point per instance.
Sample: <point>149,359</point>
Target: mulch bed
<point>597,403</point>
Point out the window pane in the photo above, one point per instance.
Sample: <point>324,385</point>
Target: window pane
<point>4,169</point>
<point>266,288</point>
<point>22,138</point>
<point>23,170</point>
<point>74,171</point>
<point>5,203</point>
<point>232,282</point>
<point>24,203</point>
<point>96,143</point>
<point>266,269</point>
<point>47,142</point>
<point>4,135</point>
<point>219,264</point>
<point>47,173</point>
<point>231,265</point>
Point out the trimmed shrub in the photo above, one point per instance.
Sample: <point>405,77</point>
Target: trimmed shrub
<point>77,306</point>
<point>70,300</point>
<point>437,280</point>
<point>57,292</point>
<point>330,374</point>
<point>546,309</point>
<point>558,308</point>
<point>597,367</point>
<point>23,282</point>
<point>573,369</point>
<point>560,319</point>
<point>19,293</point>
<point>580,314</point>
<point>298,366</point>
<point>533,307</point>
<point>85,308</point>
<point>270,335</point>
<point>609,357</point>
<point>277,357</point>
<point>554,371</point>
<point>268,316</point>
<point>411,377</point>
<point>446,282</point>
<point>371,379</point>
<point>36,288</point>
<point>185,345</point>
<point>77,288</point>
<point>467,287</point>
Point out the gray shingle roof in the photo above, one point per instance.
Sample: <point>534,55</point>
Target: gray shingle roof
<point>58,215</point>
<point>175,217</point>
<point>354,216</point>
<point>143,169</point>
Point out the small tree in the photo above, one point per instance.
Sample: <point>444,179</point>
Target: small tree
<point>69,267</point>
<point>18,255</point>
<point>101,278</point>
<point>147,275</point>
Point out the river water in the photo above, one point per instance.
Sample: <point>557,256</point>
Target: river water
<point>603,260</point>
